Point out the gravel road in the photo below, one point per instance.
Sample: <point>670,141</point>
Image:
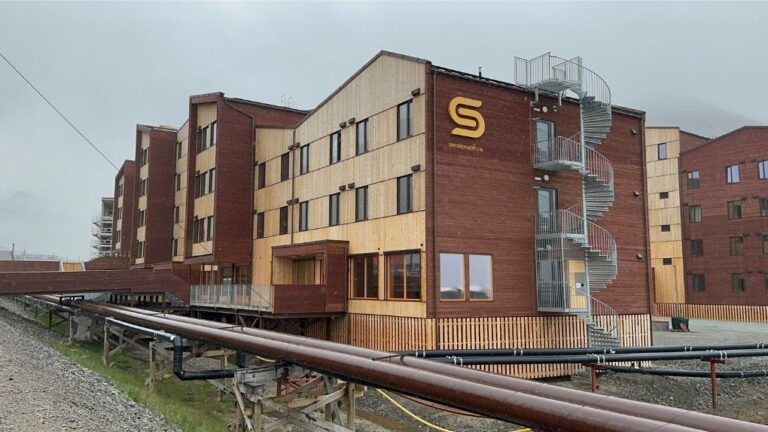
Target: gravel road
<point>40,390</point>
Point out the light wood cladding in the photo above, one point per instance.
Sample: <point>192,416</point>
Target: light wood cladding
<point>202,248</point>
<point>271,143</point>
<point>180,196</point>
<point>206,114</point>
<point>206,160</point>
<point>204,206</point>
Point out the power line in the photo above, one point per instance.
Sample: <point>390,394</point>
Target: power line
<point>58,111</point>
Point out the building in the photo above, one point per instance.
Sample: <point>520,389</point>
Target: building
<point>102,228</point>
<point>124,234</point>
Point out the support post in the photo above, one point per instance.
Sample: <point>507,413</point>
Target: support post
<point>595,386</point>
<point>351,409</point>
<point>105,349</point>
<point>713,378</point>
<point>152,367</point>
<point>71,330</point>
<point>50,318</point>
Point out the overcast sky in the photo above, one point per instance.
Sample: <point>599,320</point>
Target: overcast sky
<point>109,66</point>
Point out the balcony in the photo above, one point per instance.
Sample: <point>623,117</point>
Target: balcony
<point>292,299</point>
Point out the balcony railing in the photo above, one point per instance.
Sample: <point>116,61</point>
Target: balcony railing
<point>234,296</point>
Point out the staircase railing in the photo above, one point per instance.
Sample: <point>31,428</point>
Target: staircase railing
<point>598,165</point>
<point>547,67</point>
<point>604,316</point>
<point>558,149</point>
<point>599,238</point>
<point>559,222</point>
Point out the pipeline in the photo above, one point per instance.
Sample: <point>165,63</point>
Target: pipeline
<point>676,416</point>
<point>687,373</point>
<point>521,352</point>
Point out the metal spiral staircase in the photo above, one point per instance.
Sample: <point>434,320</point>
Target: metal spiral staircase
<point>575,256</point>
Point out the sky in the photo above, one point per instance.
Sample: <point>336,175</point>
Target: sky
<point>109,66</point>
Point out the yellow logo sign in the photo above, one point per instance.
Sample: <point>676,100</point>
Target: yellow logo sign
<point>470,120</point>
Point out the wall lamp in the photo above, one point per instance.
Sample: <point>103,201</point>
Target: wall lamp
<point>544,178</point>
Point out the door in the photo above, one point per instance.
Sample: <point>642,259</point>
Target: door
<point>546,219</point>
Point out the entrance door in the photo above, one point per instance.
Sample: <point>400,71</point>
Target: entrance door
<point>547,207</point>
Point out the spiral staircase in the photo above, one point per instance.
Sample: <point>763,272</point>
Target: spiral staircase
<point>575,256</point>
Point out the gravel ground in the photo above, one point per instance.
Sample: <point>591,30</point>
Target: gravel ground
<point>40,390</point>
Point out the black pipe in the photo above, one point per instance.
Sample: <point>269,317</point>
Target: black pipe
<point>603,358</point>
<point>687,373</point>
<point>178,366</point>
<point>517,352</point>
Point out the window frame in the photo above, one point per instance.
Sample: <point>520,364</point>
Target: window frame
<point>303,216</point>
<point>666,261</point>
<point>261,175</point>
<point>409,194</point>
<point>364,191</point>
<point>697,248</point>
<point>388,275</point>
<point>736,204</point>
<point>408,106</point>
<point>762,170</point>
<point>304,159</point>
<point>736,245</point>
<point>260,225</point>
<point>285,166</point>
<point>334,147</point>
<point>666,228</point>
<point>464,276</point>
<point>334,209</point>
<point>763,205</point>
<point>765,244</point>
<point>659,151</point>
<point>374,258</point>
<point>283,224</point>
<point>700,287</point>
<point>361,149</point>
<point>694,183</point>
<point>730,178</point>
<point>743,285</point>
<point>694,209</point>
<point>466,265</point>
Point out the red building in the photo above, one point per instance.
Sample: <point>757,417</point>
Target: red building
<point>124,232</point>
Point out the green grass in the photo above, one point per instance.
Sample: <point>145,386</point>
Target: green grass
<point>191,406</point>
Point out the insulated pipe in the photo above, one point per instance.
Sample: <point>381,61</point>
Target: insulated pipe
<point>178,366</point>
<point>660,413</point>
<point>687,373</point>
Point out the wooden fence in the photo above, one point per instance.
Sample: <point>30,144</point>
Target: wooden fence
<point>752,313</point>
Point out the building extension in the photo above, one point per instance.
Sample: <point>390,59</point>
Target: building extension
<point>101,230</point>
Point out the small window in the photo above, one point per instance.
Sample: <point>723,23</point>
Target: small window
<point>764,207</point>
<point>214,133</point>
<point>143,188</point>
<point>694,180</point>
<point>204,140</point>
<point>734,209</point>
<point>765,244</point>
<point>694,214</point>
<point>260,225</point>
<point>178,150</point>
<point>177,182</point>
<point>142,218</point>
<point>404,276</point>
<point>666,261</point>
<point>144,159</point>
<point>452,276</point>
<point>304,216</point>
<point>335,149</point>
<point>697,283</point>
<point>212,180</point>
<point>304,162</point>
<point>738,282</point>
<point>262,175</point>
<point>697,247</point>
<point>140,249</point>
<point>361,203</point>
<point>661,151</point>
<point>361,145</point>
<point>209,228</point>
<point>283,220</point>
<point>732,174</point>
<point>666,228</point>
<point>762,170</point>
<point>664,195</point>
<point>545,140</point>
<point>365,276</point>
<point>285,167</point>
<point>333,209</point>
<point>175,247</point>
<point>405,194</point>
<point>404,120</point>
<point>176,214</point>
<point>736,246</point>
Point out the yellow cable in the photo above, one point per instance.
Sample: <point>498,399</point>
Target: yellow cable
<point>264,359</point>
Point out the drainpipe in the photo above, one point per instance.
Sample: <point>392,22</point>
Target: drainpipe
<point>436,295</point>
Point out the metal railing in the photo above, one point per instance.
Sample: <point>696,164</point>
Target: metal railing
<point>598,165</point>
<point>558,149</point>
<point>559,222</point>
<point>548,68</point>
<point>600,239</point>
<point>604,316</point>
<point>234,296</point>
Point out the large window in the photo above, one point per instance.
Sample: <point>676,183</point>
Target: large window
<point>304,216</point>
<point>736,245</point>
<point>763,206</point>
<point>361,145</point>
<point>365,276</point>
<point>333,209</point>
<point>545,138</point>
<point>734,209</point>
<point>697,283</point>
<point>405,194</point>
<point>284,220</point>
<point>404,276</point>
<point>206,137</point>
<point>285,166</point>
<point>260,225</point>
<point>661,151</point>
<point>452,282</point>
<point>304,159</point>
<point>480,277</point>
<point>697,247</point>
<point>335,155</point>
<point>361,203</point>
<point>404,120</point>
<point>262,175</point>
<point>732,174</point>
<point>694,214</point>
<point>694,180</point>
<point>762,170</point>
<point>738,282</point>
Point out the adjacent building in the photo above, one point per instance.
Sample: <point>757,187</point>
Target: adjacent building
<point>102,228</point>
<point>124,233</point>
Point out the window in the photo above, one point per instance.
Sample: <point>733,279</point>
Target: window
<point>361,203</point>
<point>765,244</point>
<point>480,277</point>
<point>732,174</point>
<point>666,228</point>
<point>260,225</point>
<point>734,209</point>
<point>694,180</point>
<point>117,236</point>
<point>142,218</point>
<point>178,150</point>
<point>284,220</point>
<point>365,276</point>
<point>766,281</point>
<point>175,247</point>
<point>304,163</point>
<point>664,195</point>
<point>694,214</point>
<point>143,187</point>
<point>285,167</point>
<point>335,155</point>
<point>262,175</point>
<point>201,181</point>
<point>661,151</point>
<point>177,181</point>
<point>176,214</point>
<point>209,228</point>
<point>212,180</point>
<point>666,261</point>
<point>697,247</point>
<point>763,206</point>
<point>405,194</point>
<point>738,282</point>
<point>198,230</point>
<point>140,249</point>
<point>303,216</point>
<point>214,133</point>
<point>545,139</point>
<point>361,144</point>
<point>737,246</point>
<point>404,120</point>
<point>333,209</point>
<point>404,276</point>
<point>697,282</point>
<point>144,159</point>
<point>452,276</point>
<point>762,170</point>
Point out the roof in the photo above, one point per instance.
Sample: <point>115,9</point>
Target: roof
<point>149,128</point>
<point>681,131</point>
<point>211,97</point>
<point>726,135</point>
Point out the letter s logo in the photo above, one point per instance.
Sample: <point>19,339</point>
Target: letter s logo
<point>472,122</point>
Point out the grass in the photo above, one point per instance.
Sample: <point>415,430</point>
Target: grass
<point>191,406</point>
